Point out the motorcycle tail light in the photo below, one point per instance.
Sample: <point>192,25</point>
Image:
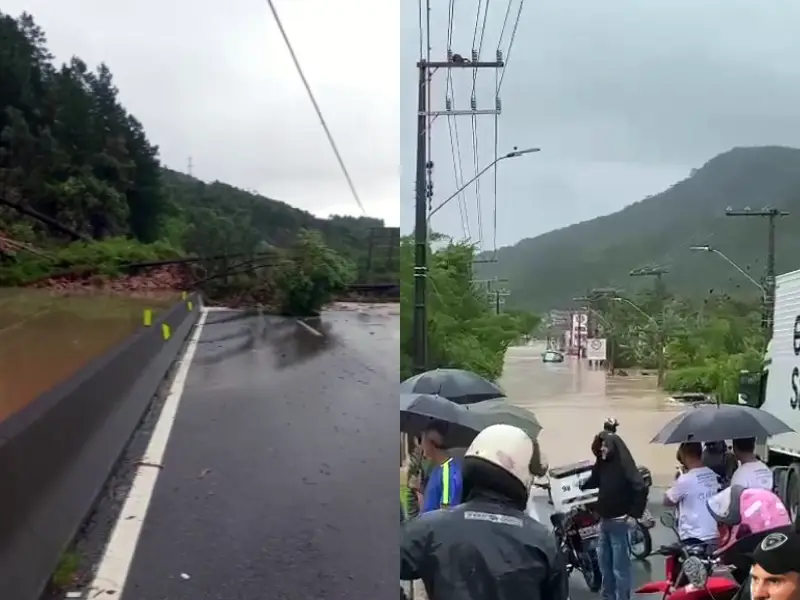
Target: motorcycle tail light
<point>584,519</point>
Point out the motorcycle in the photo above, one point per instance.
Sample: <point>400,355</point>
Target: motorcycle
<point>577,534</point>
<point>689,572</point>
<point>640,542</point>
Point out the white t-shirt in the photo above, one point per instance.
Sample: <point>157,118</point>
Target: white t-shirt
<point>690,492</point>
<point>753,475</point>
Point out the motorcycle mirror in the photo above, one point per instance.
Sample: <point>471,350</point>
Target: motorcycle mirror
<point>695,572</point>
<point>668,520</point>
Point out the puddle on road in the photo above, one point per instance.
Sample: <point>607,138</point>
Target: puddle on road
<point>571,401</point>
<point>45,338</point>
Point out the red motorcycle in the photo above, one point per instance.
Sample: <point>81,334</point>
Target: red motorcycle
<point>689,573</point>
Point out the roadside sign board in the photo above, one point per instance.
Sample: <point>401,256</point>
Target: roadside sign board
<point>596,349</point>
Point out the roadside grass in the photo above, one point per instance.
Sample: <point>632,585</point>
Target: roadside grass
<point>67,570</point>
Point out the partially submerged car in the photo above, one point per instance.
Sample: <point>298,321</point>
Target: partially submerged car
<point>552,356</point>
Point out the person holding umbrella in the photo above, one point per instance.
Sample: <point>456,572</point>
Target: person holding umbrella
<point>444,483</point>
<point>417,478</point>
<point>689,493</point>
<point>752,473</point>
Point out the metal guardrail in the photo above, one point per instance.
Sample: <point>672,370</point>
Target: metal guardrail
<point>58,452</point>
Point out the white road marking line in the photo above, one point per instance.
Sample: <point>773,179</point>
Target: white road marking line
<point>309,328</point>
<point>112,571</point>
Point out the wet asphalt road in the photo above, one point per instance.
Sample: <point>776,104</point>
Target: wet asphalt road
<point>643,571</point>
<point>279,475</point>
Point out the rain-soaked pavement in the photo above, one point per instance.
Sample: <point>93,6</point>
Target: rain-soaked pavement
<point>274,482</point>
<point>571,401</point>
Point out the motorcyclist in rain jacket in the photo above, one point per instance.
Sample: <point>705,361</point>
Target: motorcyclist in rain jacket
<point>486,548</point>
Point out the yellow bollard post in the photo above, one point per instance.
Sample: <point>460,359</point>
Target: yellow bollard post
<point>189,305</point>
<point>165,332</point>
<point>147,317</point>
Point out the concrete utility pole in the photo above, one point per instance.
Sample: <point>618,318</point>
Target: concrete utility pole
<point>768,304</point>
<point>424,188</point>
<point>661,294</point>
<point>500,296</point>
<point>495,295</point>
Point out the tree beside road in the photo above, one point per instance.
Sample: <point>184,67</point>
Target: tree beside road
<point>464,331</point>
<point>707,342</point>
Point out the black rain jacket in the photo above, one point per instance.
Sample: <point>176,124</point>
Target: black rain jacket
<point>621,488</point>
<point>483,549</point>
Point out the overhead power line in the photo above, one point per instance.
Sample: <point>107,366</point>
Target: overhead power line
<point>317,109</point>
<point>511,40</point>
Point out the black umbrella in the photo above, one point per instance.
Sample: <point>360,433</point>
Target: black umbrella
<point>418,411</point>
<point>457,385</point>
<point>498,411</point>
<point>709,423</point>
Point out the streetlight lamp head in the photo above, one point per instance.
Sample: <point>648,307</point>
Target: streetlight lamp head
<point>515,152</point>
<point>703,248</point>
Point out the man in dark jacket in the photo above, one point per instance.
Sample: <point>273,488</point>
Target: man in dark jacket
<point>622,498</point>
<point>487,547</point>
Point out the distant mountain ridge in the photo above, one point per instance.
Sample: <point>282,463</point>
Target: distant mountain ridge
<point>549,270</point>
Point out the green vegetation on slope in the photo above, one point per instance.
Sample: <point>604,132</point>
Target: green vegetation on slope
<point>547,271</point>
<point>463,330</point>
<point>707,342</point>
<point>76,165</point>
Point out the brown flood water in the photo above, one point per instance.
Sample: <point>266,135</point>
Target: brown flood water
<point>45,338</point>
<point>571,402</point>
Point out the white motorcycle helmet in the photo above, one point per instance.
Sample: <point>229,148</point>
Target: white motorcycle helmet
<point>506,447</point>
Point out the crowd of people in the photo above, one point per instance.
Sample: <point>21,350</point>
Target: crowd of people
<point>466,520</point>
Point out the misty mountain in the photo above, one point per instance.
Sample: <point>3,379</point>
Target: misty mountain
<point>549,270</point>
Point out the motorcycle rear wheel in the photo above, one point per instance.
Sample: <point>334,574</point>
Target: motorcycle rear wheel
<point>640,542</point>
<point>590,569</point>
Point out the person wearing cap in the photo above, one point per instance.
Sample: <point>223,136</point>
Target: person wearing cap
<point>487,546</point>
<point>775,574</point>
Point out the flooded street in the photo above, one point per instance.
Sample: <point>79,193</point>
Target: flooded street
<point>571,401</point>
<point>45,338</point>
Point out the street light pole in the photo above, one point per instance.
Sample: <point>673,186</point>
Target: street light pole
<point>635,307</point>
<point>707,248</point>
<point>513,154</point>
<point>768,304</point>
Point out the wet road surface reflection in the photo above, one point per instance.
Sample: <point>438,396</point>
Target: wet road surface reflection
<point>274,484</point>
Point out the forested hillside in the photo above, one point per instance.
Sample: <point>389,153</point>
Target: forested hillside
<point>549,270</point>
<point>75,164</point>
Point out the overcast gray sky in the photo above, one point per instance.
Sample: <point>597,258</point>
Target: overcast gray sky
<point>624,97</point>
<point>214,81</point>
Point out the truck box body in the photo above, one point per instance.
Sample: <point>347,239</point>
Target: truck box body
<point>782,397</point>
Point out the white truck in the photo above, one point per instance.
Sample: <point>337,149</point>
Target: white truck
<point>777,390</point>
